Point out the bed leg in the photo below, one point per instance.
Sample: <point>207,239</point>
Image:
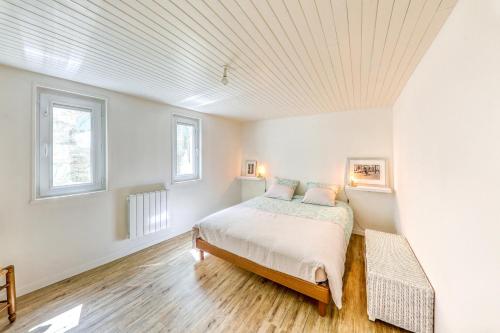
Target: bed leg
<point>202,255</point>
<point>322,308</point>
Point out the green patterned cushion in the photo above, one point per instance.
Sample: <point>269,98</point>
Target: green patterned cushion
<point>287,182</point>
<point>333,187</point>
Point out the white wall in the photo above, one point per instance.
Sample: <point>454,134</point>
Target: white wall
<point>57,238</point>
<point>447,159</point>
<point>315,148</point>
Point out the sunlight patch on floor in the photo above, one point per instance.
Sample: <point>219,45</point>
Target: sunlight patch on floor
<point>61,323</point>
<point>196,254</point>
<point>153,265</point>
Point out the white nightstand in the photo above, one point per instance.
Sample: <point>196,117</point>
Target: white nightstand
<point>251,187</point>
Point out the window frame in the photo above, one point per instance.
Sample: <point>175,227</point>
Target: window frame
<point>196,122</point>
<point>46,99</point>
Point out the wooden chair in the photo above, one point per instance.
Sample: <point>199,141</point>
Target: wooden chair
<point>10,286</point>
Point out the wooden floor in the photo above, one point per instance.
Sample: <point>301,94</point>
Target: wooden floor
<point>166,288</point>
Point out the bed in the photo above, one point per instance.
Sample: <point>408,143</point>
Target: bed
<point>300,246</point>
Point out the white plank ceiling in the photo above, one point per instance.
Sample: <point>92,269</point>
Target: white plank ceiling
<point>286,57</point>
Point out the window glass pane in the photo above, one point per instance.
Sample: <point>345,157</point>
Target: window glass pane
<point>71,146</point>
<point>185,149</point>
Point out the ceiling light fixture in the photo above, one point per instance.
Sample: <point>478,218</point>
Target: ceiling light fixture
<point>224,79</point>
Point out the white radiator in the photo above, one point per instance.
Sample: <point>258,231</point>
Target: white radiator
<point>147,213</point>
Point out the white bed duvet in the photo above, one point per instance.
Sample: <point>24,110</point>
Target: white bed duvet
<point>298,239</point>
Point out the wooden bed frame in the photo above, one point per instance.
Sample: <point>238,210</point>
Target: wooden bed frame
<point>319,292</point>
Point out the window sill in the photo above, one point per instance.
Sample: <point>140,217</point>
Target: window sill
<point>65,196</point>
<point>185,182</point>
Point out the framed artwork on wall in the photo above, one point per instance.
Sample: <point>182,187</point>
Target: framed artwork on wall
<point>251,168</point>
<point>366,171</point>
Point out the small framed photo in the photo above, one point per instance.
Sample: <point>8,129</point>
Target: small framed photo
<point>367,172</point>
<point>251,168</point>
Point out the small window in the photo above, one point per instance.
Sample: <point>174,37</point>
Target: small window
<point>71,144</point>
<point>186,157</point>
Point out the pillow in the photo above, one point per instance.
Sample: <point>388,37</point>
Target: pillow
<point>282,188</point>
<point>320,196</point>
<point>333,187</point>
<point>278,191</point>
<point>287,182</point>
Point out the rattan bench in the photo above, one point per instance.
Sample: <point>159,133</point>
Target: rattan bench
<point>398,291</point>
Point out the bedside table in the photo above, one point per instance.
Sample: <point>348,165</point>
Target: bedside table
<point>251,187</point>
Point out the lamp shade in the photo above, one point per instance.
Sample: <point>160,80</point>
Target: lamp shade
<point>261,171</point>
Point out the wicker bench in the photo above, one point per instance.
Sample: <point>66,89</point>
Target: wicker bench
<point>398,291</point>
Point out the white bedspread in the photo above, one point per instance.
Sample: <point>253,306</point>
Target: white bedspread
<point>290,237</point>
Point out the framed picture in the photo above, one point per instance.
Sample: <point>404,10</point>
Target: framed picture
<point>251,168</point>
<point>367,172</point>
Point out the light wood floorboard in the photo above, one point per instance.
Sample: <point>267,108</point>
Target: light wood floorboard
<point>165,288</point>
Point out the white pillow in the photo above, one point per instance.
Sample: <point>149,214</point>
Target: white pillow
<point>333,187</point>
<point>278,191</point>
<point>320,196</point>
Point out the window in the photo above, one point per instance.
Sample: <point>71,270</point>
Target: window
<point>186,157</point>
<point>70,144</point>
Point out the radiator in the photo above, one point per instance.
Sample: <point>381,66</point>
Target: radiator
<point>147,213</point>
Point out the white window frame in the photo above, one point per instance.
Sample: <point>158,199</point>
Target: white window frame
<point>180,119</point>
<point>46,99</point>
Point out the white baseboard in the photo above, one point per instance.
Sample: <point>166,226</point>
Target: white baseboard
<point>59,276</point>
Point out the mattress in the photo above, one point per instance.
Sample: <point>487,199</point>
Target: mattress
<point>302,240</point>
